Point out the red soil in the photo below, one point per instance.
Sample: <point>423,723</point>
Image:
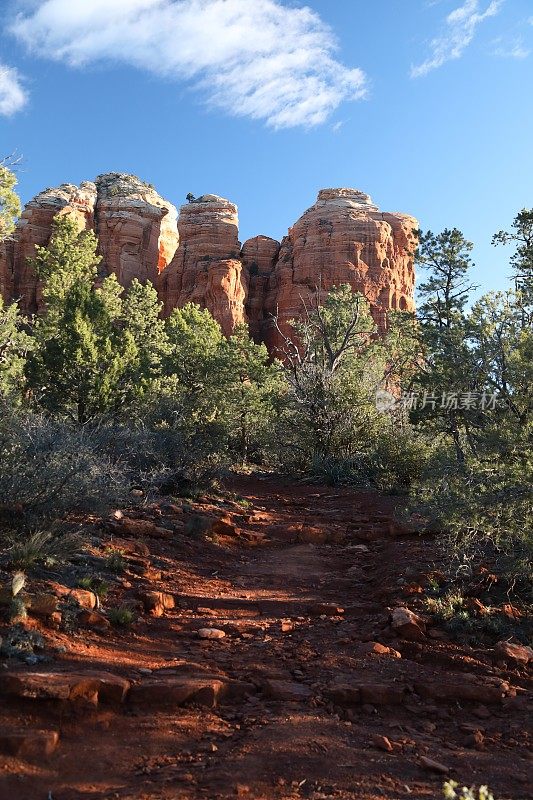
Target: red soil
<point>285,729</point>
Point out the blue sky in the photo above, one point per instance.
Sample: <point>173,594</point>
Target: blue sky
<point>424,104</point>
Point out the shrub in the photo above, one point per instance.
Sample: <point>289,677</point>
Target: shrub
<point>51,468</point>
<point>42,546</point>
<point>115,561</point>
<point>449,792</point>
<point>122,616</point>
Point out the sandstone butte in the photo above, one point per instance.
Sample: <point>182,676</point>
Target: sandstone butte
<point>197,257</point>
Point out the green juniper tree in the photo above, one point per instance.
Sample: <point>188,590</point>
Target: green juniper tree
<point>9,200</point>
<point>140,317</point>
<point>483,500</point>
<point>15,344</point>
<point>448,375</point>
<point>82,357</point>
<point>253,390</point>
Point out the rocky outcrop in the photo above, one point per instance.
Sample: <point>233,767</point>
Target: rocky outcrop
<point>259,256</point>
<point>207,268</point>
<point>342,238</point>
<point>17,278</point>
<point>136,230</point>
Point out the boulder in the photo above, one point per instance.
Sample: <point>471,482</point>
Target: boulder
<point>171,692</point>
<point>28,743</point>
<point>516,653</point>
<point>407,624</point>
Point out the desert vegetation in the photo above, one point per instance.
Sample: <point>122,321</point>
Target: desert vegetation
<point>106,405</point>
<point>99,395</point>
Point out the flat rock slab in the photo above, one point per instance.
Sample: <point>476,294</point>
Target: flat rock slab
<point>88,687</point>
<point>460,692</point>
<point>28,744</point>
<point>377,694</point>
<point>172,692</point>
<point>288,691</point>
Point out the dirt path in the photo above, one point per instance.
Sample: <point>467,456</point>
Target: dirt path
<point>293,702</point>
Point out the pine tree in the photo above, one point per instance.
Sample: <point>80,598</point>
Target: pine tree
<point>521,260</point>
<point>15,343</point>
<point>82,355</point>
<point>449,370</point>
<point>253,388</point>
<point>141,319</point>
<point>9,201</point>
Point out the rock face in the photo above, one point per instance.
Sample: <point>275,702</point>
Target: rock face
<point>136,230</point>
<point>17,278</point>
<point>259,257</point>
<point>342,238</point>
<point>207,268</point>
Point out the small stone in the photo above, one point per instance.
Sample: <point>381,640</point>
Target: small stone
<point>407,624</point>
<point>92,619</point>
<point>42,605</point>
<point>376,648</point>
<point>156,603</point>
<point>520,654</point>
<point>286,626</point>
<point>434,766</point>
<point>211,633</point>
<point>475,740</point>
<point>382,743</point>
<point>224,526</point>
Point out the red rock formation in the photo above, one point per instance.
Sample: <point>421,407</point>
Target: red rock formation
<point>259,256</point>
<point>17,278</point>
<point>135,226</point>
<point>206,268</point>
<point>343,238</point>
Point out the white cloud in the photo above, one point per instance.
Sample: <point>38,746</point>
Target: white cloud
<point>253,58</point>
<point>460,29</point>
<point>13,96</point>
<point>513,49</point>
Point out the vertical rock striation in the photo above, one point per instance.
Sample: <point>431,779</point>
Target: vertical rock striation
<point>136,228</point>
<point>343,238</point>
<point>259,256</point>
<point>207,268</point>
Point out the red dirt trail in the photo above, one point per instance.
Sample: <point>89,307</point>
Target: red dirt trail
<point>304,705</point>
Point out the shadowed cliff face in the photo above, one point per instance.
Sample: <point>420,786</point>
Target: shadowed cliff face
<point>342,238</point>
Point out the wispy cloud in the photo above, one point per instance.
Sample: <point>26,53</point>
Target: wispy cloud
<point>252,58</point>
<point>511,49</point>
<point>13,96</point>
<point>459,31</point>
